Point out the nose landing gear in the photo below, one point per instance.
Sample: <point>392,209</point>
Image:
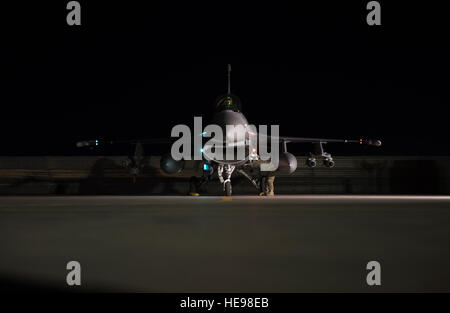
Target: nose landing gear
<point>224,172</point>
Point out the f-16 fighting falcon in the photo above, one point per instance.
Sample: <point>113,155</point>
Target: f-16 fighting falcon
<point>239,135</point>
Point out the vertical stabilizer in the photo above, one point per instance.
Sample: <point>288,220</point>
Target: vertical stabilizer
<point>229,79</point>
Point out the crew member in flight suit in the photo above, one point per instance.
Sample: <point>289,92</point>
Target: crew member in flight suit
<point>268,188</point>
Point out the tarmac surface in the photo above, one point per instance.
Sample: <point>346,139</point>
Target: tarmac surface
<point>220,244</point>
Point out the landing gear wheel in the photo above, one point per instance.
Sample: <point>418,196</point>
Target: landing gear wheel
<point>228,188</point>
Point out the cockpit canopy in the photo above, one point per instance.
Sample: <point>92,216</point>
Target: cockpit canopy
<point>227,102</point>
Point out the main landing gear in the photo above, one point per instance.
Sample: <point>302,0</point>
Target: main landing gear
<point>263,183</point>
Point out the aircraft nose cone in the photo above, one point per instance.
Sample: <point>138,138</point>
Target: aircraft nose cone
<point>236,134</point>
<point>233,125</point>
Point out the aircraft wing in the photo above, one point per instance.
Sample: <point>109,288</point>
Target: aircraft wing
<point>98,142</point>
<point>369,142</point>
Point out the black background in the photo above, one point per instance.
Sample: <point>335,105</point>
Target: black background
<point>136,69</point>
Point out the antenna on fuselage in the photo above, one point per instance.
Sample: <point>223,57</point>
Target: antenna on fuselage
<point>229,79</point>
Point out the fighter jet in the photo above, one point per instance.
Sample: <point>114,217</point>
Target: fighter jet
<point>228,113</point>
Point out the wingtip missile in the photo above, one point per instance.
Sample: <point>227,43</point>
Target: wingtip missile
<point>81,144</point>
<point>87,143</point>
<point>370,142</point>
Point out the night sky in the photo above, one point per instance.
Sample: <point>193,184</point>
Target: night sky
<point>134,70</point>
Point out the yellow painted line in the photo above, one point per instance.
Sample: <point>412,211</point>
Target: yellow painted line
<point>226,199</point>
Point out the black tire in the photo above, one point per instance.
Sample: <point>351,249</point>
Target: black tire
<point>228,188</point>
